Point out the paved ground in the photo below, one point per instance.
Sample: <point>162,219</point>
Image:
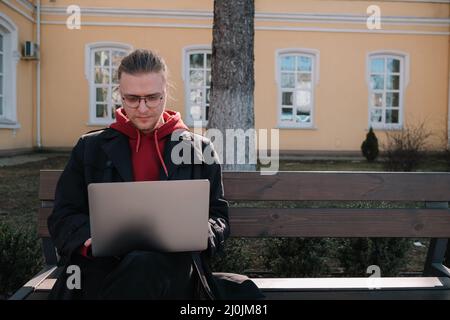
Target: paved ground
<point>24,158</point>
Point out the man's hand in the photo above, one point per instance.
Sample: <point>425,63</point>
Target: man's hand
<point>85,250</point>
<point>88,242</point>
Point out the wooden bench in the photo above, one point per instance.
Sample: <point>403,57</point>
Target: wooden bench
<point>430,221</point>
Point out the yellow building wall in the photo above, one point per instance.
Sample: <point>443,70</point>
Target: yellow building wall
<point>341,105</point>
<point>341,96</point>
<point>21,138</point>
<point>65,95</point>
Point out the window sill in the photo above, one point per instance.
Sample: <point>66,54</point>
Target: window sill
<point>386,128</point>
<point>284,126</point>
<point>8,124</point>
<point>191,123</point>
<point>98,124</point>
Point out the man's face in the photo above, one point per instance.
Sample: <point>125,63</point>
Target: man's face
<point>149,85</point>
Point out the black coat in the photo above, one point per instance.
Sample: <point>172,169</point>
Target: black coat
<point>104,156</point>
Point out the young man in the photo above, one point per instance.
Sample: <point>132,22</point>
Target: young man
<point>138,147</point>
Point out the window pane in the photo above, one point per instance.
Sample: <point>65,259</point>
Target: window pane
<point>377,82</point>
<point>208,60</point>
<point>207,113</point>
<point>115,75</point>
<point>393,82</point>
<point>208,78</point>
<point>287,80</point>
<point>101,75</point>
<point>392,99</point>
<point>286,114</point>
<point>287,99</point>
<point>287,63</point>
<point>376,116</point>
<point>1,106</point>
<point>303,116</point>
<point>304,63</point>
<point>1,85</point>
<point>1,63</point>
<point>196,97</point>
<point>102,58</point>
<point>391,116</point>
<point>113,112</point>
<point>115,97</point>
<point>377,99</point>
<point>303,98</point>
<point>117,57</point>
<point>393,65</point>
<point>196,78</point>
<point>196,113</point>
<point>1,43</point>
<point>101,94</point>
<point>196,60</point>
<point>377,65</point>
<point>101,111</point>
<point>304,80</point>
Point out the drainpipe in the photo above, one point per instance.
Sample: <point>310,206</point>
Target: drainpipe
<point>38,76</point>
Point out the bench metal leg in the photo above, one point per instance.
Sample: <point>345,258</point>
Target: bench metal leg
<point>49,251</point>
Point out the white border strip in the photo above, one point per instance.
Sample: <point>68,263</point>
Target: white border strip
<point>208,26</point>
<point>27,5</point>
<point>259,16</point>
<point>20,11</point>
<point>346,30</point>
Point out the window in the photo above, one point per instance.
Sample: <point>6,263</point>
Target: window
<point>9,57</point>
<point>104,60</point>
<point>386,78</point>
<point>197,77</point>
<point>297,77</point>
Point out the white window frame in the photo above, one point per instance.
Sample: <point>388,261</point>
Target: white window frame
<point>314,54</point>
<point>89,69</point>
<point>404,81</point>
<point>205,49</point>
<point>9,31</point>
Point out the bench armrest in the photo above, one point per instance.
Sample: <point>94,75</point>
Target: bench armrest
<point>31,285</point>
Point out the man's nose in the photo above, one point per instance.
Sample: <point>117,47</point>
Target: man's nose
<point>142,107</point>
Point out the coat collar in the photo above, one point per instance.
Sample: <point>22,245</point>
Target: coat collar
<point>187,139</point>
<point>117,148</point>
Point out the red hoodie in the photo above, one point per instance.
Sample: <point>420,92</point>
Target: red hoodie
<point>147,149</point>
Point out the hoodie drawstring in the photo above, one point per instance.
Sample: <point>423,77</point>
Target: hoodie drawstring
<point>157,149</point>
<point>159,153</point>
<point>138,140</point>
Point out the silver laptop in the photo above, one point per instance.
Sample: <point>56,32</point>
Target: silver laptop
<point>166,216</point>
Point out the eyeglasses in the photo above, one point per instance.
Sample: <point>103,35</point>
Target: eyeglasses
<point>151,101</point>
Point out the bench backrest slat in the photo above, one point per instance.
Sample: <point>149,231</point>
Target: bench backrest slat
<point>331,186</point>
<point>319,222</point>
<point>305,222</point>
<point>338,186</point>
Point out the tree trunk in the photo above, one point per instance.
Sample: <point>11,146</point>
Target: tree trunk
<point>233,82</point>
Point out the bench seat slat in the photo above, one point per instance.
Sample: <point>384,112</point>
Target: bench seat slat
<point>369,283</point>
<point>396,294</point>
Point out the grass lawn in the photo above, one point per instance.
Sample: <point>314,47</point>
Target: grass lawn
<point>19,189</point>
